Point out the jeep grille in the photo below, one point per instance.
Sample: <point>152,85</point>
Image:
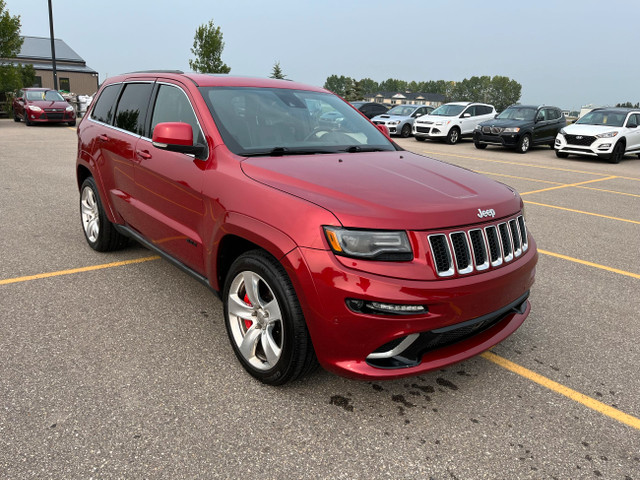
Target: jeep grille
<point>478,249</point>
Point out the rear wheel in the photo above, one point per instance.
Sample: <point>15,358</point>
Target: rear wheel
<point>406,131</point>
<point>617,154</point>
<point>453,136</point>
<point>264,320</point>
<point>99,232</point>
<point>524,144</point>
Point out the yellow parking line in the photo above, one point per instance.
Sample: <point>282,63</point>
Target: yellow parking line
<point>611,191</point>
<point>519,178</point>
<point>562,390</point>
<point>569,185</point>
<point>76,270</point>
<point>590,264</point>
<point>522,164</point>
<point>583,212</point>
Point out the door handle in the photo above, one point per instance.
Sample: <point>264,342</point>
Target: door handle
<point>144,154</point>
<point>103,138</point>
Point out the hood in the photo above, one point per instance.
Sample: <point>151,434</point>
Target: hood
<point>592,130</point>
<point>436,118</point>
<point>506,122</point>
<point>386,190</point>
<point>48,104</point>
<point>387,117</point>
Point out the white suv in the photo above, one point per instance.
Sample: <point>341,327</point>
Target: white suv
<point>607,133</point>
<point>452,121</point>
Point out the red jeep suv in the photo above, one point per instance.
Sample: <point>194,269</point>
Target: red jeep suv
<point>325,240</point>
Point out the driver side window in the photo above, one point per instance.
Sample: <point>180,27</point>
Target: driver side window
<point>172,105</point>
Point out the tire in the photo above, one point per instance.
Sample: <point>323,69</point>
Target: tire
<point>524,143</point>
<point>26,120</point>
<point>453,136</point>
<point>271,339</point>
<point>617,154</point>
<point>419,139</point>
<point>15,117</point>
<point>406,131</point>
<point>480,146</point>
<point>72,124</point>
<point>560,154</point>
<point>99,232</point>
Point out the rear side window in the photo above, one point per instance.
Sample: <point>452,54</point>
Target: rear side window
<point>132,107</point>
<point>105,106</point>
<point>172,105</point>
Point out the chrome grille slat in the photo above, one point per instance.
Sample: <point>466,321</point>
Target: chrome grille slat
<point>478,249</point>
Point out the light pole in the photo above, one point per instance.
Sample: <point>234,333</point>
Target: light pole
<point>53,48</point>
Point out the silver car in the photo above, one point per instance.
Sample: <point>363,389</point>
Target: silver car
<point>400,118</point>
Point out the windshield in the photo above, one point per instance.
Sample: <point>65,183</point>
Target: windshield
<point>277,121</point>
<point>448,110</point>
<point>49,95</point>
<point>603,117</point>
<point>518,113</point>
<point>402,110</point>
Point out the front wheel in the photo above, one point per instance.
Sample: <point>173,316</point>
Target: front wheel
<point>524,144</point>
<point>617,154</point>
<point>406,131</point>
<point>560,154</point>
<point>15,117</point>
<point>72,124</point>
<point>419,139</point>
<point>480,146</point>
<point>453,136</point>
<point>99,232</point>
<point>264,320</point>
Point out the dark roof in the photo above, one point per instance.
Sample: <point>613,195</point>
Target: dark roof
<point>35,48</point>
<point>433,97</point>
<point>60,67</point>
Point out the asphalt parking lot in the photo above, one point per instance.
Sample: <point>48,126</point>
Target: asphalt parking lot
<point>118,365</point>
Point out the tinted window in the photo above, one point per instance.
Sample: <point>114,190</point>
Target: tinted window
<point>172,105</point>
<point>602,117</point>
<point>483,110</point>
<point>471,111</point>
<point>132,107</point>
<point>105,106</point>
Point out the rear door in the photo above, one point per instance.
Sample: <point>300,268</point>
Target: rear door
<point>468,123</point>
<point>169,203</point>
<point>633,135</point>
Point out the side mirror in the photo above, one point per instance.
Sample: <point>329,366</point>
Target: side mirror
<point>466,115</point>
<point>496,115</point>
<point>176,137</point>
<point>384,130</point>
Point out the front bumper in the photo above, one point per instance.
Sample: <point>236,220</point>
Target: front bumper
<point>50,117</point>
<point>600,147</point>
<point>430,130</point>
<point>490,305</point>
<point>509,140</point>
<point>393,129</point>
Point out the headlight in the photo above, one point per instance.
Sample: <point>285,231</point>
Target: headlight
<point>607,135</point>
<point>34,108</point>
<point>562,131</point>
<point>69,108</point>
<point>394,122</point>
<point>511,130</point>
<point>369,244</point>
<point>478,127</point>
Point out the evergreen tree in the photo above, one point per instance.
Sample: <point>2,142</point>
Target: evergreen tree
<point>207,48</point>
<point>277,72</point>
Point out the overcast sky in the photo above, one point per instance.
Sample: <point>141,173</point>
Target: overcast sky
<point>565,53</point>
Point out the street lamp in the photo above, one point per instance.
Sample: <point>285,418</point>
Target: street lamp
<point>53,48</point>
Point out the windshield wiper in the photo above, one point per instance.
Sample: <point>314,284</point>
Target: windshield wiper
<point>357,148</point>
<point>281,151</point>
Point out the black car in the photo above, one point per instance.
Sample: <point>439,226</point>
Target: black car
<point>370,109</point>
<point>520,127</point>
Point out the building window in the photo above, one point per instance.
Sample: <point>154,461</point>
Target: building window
<point>64,84</point>
<point>37,81</point>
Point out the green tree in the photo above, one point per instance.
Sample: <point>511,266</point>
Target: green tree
<point>277,72</point>
<point>10,39</point>
<point>628,105</point>
<point>207,48</point>
<point>393,85</point>
<point>339,85</point>
<point>503,92</point>
<point>368,86</point>
<point>27,75</point>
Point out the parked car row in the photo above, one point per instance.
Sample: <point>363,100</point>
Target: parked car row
<point>607,133</point>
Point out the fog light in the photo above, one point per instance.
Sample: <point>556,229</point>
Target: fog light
<point>362,306</point>
<point>604,146</point>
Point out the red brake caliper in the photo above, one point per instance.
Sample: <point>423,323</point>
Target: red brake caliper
<point>247,322</point>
